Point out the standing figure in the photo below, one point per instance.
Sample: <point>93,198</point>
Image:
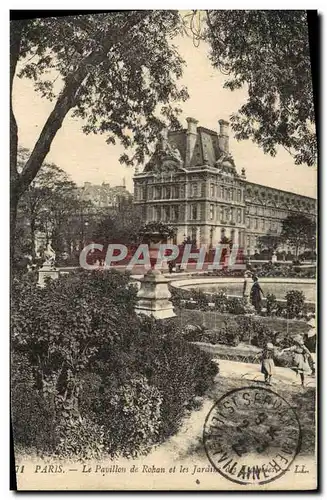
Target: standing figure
<point>301,356</point>
<point>267,362</point>
<point>247,285</point>
<point>310,340</point>
<point>256,294</point>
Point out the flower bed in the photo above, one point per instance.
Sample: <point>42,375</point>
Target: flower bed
<point>243,338</point>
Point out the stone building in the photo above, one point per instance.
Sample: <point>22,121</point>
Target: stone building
<point>104,195</point>
<point>191,182</point>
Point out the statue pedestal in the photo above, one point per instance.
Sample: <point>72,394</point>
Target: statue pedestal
<point>47,271</point>
<point>153,296</point>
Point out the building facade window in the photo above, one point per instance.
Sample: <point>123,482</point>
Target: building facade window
<point>157,214</point>
<point>175,192</point>
<point>247,221</point>
<point>255,223</point>
<point>175,212</point>
<point>211,212</point>
<point>239,215</point>
<point>221,214</point>
<point>239,195</point>
<point>157,193</point>
<point>194,212</point>
<point>166,213</point>
<point>212,190</point>
<point>194,190</point>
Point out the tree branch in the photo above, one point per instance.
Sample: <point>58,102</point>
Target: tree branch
<point>69,98</point>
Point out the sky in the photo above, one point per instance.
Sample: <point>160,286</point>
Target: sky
<point>87,158</point>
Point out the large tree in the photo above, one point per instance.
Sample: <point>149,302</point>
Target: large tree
<point>122,225</point>
<point>299,231</point>
<point>111,70</point>
<point>48,201</point>
<point>267,52</point>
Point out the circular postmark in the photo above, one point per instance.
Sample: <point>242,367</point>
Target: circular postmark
<point>252,435</point>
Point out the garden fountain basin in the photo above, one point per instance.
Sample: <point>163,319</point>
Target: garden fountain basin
<point>233,287</point>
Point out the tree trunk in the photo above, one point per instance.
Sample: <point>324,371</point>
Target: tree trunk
<point>13,215</point>
<point>32,228</point>
<point>16,29</point>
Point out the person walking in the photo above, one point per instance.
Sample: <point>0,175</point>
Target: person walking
<point>267,362</point>
<point>301,356</point>
<point>256,294</point>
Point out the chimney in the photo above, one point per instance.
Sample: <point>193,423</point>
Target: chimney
<point>223,137</point>
<point>191,137</point>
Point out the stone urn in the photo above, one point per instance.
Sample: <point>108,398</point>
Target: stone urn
<point>153,295</point>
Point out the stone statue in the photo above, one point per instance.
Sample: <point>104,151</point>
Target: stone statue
<point>274,257</point>
<point>50,256</point>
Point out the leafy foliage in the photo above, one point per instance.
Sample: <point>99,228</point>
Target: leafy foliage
<point>134,402</point>
<point>114,69</point>
<point>161,229</point>
<point>267,51</point>
<point>294,303</point>
<point>299,231</point>
<point>122,226</point>
<point>269,242</point>
<point>99,378</point>
<point>50,204</point>
<point>271,304</point>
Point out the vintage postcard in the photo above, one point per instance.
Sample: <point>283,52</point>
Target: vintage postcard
<point>163,250</point>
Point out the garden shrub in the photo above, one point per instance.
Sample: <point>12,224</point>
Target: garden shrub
<point>130,413</point>
<point>193,333</point>
<point>33,418</point>
<point>220,300</point>
<point>294,303</point>
<point>201,298</point>
<point>271,304</point>
<point>108,380</point>
<point>178,369</point>
<point>80,437</point>
<point>235,305</point>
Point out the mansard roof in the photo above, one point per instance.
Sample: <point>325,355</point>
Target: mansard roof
<point>191,148</point>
